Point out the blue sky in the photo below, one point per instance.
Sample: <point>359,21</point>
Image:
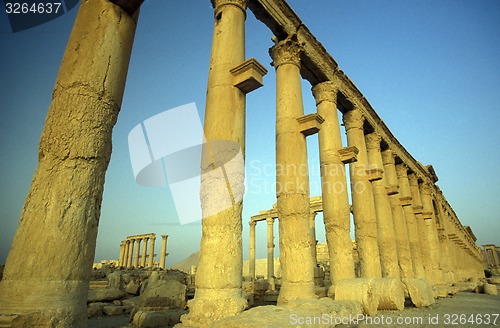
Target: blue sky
<point>431,70</point>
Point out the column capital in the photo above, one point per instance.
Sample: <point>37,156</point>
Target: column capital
<point>164,236</point>
<point>373,141</point>
<point>388,157</point>
<point>325,91</point>
<point>353,119</point>
<point>217,4</point>
<point>402,170</point>
<point>412,177</point>
<point>286,52</point>
<point>252,223</point>
<point>270,220</point>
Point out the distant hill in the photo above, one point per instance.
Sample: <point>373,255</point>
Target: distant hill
<point>185,265</point>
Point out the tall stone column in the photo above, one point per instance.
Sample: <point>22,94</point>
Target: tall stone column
<point>431,231</point>
<point>422,229</point>
<point>365,220</point>
<point>336,209</point>
<point>144,251</point>
<point>251,262</point>
<point>218,288</point>
<point>385,225</point>
<point>163,253</point>
<point>270,248</point>
<point>411,221</point>
<point>292,179</point>
<point>446,257</point>
<point>57,231</point>
<point>126,252</point>
<point>312,226</point>
<point>151,259</point>
<point>120,257</point>
<point>402,232</point>
<point>137,252</point>
<point>130,262</point>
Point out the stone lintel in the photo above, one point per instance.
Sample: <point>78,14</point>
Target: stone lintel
<point>349,154</point>
<point>130,6</point>
<point>374,174</point>
<point>406,201</point>
<point>310,124</point>
<point>418,209</point>
<point>248,75</point>
<point>427,215</point>
<point>392,189</point>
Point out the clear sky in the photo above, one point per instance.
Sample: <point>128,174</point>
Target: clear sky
<point>431,70</point>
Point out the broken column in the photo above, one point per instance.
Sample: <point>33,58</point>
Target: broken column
<point>163,253</point>
<point>218,287</point>
<point>57,232</point>
<point>385,225</point>
<point>336,209</point>
<point>292,178</point>
<point>365,221</point>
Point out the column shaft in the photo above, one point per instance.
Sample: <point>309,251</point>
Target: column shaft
<point>137,252</point>
<point>400,225</point>
<point>365,221</point>
<point>251,262</point>
<point>57,231</point>
<point>130,253</point>
<point>270,248</point>
<point>120,257</point>
<point>336,209</point>
<point>163,250</point>
<point>151,251</point>
<point>144,251</point>
<point>385,225</point>
<point>224,130</point>
<point>292,179</point>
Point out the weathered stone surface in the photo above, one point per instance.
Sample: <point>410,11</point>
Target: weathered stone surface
<point>361,290</point>
<point>114,280</point>
<point>153,319</point>
<point>100,295</point>
<point>494,280</point>
<point>164,293</point>
<point>95,309</point>
<point>116,309</point>
<point>133,288</point>
<point>420,292</point>
<point>490,289</point>
<point>391,293</point>
<point>314,313</point>
<point>132,302</point>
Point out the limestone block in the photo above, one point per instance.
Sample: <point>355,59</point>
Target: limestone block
<point>164,293</point>
<point>100,295</point>
<point>116,309</point>
<point>114,280</point>
<point>132,302</point>
<point>441,291</point>
<point>361,290</point>
<point>152,319</point>
<point>391,293</point>
<point>95,309</point>
<point>494,280</point>
<point>490,289</point>
<point>133,288</point>
<point>420,292</point>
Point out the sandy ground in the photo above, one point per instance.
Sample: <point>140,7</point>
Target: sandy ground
<point>468,310</point>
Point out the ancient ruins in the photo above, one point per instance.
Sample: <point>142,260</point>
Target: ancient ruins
<point>408,238</point>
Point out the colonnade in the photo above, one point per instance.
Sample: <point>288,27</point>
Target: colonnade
<point>128,258</point>
<point>492,256</point>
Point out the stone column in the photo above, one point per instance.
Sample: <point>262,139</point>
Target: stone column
<point>422,229</point>
<point>402,232</point>
<point>120,257</point>
<point>385,225</point>
<point>336,209</point>
<point>144,251</point>
<point>270,248</point>
<point>292,179</point>
<point>312,226</point>
<point>413,233</point>
<point>363,205</point>
<point>431,231</point>
<point>126,252</point>
<point>130,262</point>
<point>218,288</point>
<point>151,251</point>
<point>251,262</point>
<point>57,231</point>
<point>446,256</point>
<point>137,252</point>
<point>163,250</point>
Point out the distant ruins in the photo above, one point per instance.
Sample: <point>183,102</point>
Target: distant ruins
<point>128,259</point>
<point>408,237</point>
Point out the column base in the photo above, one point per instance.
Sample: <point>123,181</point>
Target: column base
<point>37,303</point>
<point>291,291</point>
<point>211,305</point>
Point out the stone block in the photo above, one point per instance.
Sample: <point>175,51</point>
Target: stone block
<point>164,293</point>
<point>116,309</point>
<point>133,288</point>
<point>114,280</point>
<point>100,295</point>
<point>95,309</point>
<point>153,319</point>
<point>391,293</point>
<point>132,302</point>
<point>494,280</point>
<point>490,289</point>
<point>361,290</point>
<point>420,292</point>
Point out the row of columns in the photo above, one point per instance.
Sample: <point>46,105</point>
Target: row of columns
<point>128,258</point>
<point>492,255</point>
